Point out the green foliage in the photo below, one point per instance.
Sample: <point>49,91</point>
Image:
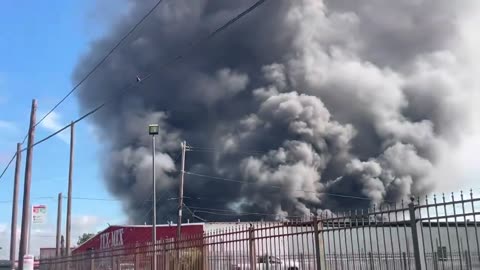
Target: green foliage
<point>84,238</point>
<point>190,259</point>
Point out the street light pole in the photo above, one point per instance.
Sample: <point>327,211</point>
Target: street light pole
<point>153,130</point>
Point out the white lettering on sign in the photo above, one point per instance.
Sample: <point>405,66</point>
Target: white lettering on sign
<point>111,239</point>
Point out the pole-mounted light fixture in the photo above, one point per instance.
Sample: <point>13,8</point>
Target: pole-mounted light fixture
<point>153,129</point>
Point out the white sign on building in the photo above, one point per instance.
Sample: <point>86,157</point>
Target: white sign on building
<point>39,214</point>
<point>111,239</point>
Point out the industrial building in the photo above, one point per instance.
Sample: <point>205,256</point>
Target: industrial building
<point>345,242</point>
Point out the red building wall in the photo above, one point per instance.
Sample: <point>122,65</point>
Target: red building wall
<point>119,236</point>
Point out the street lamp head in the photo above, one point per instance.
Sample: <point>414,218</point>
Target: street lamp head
<point>153,129</point>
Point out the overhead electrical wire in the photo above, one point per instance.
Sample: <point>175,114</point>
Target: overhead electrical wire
<point>205,199</point>
<point>230,212</point>
<point>116,200</point>
<point>234,214</point>
<point>206,149</point>
<point>214,150</point>
<point>148,212</point>
<point>52,135</point>
<point>193,214</point>
<point>140,80</point>
<point>110,52</point>
<point>275,186</point>
<point>85,199</point>
<point>34,198</point>
<point>92,199</point>
<point>8,165</point>
<point>64,197</point>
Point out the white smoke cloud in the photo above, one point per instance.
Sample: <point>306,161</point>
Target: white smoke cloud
<point>43,236</point>
<point>53,123</point>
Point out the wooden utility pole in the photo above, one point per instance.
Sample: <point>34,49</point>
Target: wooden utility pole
<point>16,187</point>
<point>69,198</point>
<point>26,189</point>
<point>180,192</point>
<point>62,246</point>
<point>59,226</point>
<point>180,203</point>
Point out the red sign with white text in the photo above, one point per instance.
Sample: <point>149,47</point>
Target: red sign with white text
<point>118,236</point>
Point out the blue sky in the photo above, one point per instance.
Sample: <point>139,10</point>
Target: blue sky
<point>40,44</point>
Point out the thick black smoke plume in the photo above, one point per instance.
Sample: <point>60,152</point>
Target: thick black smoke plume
<point>306,100</point>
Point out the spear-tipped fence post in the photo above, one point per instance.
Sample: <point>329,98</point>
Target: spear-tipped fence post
<point>317,242</point>
<point>251,240</point>
<point>413,227</point>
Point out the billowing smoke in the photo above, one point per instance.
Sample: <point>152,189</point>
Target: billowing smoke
<point>314,104</point>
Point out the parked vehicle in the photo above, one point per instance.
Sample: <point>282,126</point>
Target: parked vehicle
<point>267,262</point>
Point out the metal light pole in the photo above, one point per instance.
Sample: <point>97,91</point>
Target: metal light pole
<point>153,130</point>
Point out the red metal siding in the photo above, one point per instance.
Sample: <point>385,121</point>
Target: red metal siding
<point>118,236</point>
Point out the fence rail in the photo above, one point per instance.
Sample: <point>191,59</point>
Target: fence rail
<point>423,234</point>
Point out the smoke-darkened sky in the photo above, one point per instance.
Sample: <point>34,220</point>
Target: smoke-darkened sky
<point>301,99</point>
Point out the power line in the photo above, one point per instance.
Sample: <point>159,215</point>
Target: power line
<point>73,198</point>
<point>214,150</point>
<point>112,200</point>
<point>193,214</point>
<point>38,198</point>
<point>278,187</point>
<point>43,236</point>
<point>8,165</point>
<point>176,159</point>
<point>229,212</point>
<point>205,199</point>
<point>148,212</point>
<point>98,64</point>
<point>165,192</point>
<point>93,199</point>
<point>171,61</point>
<point>34,198</point>
<point>67,126</point>
<point>51,135</point>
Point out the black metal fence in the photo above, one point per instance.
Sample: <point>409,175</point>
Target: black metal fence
<point>423,234</point>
